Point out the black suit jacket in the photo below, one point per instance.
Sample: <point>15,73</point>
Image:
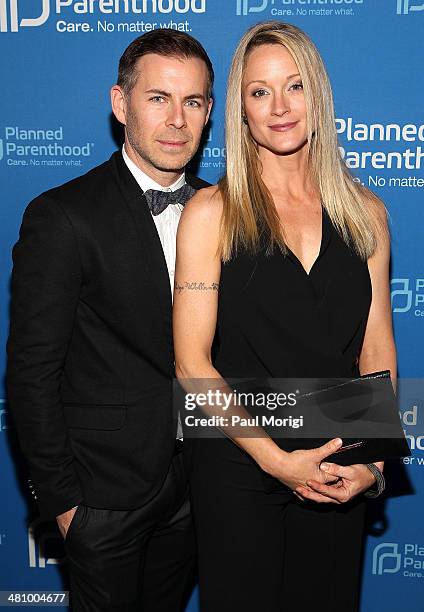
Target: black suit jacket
<point>90,356</point>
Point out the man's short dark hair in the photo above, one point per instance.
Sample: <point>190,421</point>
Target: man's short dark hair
<point>166,42</point>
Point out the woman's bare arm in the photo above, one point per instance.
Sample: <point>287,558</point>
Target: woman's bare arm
<point>196,290</point>
<point>378,348</point>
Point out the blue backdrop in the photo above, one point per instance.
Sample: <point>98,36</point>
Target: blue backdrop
<point>60,58</point>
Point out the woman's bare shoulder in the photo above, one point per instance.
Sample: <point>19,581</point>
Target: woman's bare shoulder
<point>199,226</point>
<point>379,219</point>
<point>204,207</point>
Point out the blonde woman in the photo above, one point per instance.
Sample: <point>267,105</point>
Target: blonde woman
<point>285,263</point>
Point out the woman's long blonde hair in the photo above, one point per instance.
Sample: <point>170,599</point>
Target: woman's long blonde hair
<point>247,203</point>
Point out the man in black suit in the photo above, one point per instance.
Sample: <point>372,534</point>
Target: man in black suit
<point>90,351</point>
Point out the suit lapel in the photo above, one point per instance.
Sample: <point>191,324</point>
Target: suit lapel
<point>151,247</point>
<point>152,252</point>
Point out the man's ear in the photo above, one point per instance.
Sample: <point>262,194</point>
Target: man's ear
<point>210,104</point>
<point>119,107</point>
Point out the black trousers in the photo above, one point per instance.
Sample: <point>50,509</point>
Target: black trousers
<point>269,551</point>
<point>127,560</point>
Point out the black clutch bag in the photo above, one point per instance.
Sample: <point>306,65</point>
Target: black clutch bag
<point>362,411</point>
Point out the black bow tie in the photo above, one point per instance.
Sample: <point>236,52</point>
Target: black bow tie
<point>159,200</point>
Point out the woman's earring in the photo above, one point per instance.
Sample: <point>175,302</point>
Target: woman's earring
<point>244,118</point>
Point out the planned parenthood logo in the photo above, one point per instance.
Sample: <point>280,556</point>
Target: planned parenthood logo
<point>3,416</point>
<point>29,146</point>
<point>213,154</point>
<point>45,545</point>
<point>395,558</point>
<point>386,559</point>
<point>279,8</point>
<point>11,19</point>
<point>406,7</point>
<point>408,295</point>
<point>244,7</point>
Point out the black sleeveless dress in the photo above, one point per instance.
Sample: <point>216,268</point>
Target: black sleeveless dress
<point>276,320</point>
<point>260,549</point>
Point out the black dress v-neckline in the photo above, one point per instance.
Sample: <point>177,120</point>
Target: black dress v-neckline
<point>325,237</point>
<point>296,258</point>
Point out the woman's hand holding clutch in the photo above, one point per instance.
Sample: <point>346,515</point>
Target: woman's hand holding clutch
<point>351,481</point>
<point>295,469</point>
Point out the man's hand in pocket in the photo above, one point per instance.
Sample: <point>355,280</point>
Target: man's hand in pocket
<point>64,520</point>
